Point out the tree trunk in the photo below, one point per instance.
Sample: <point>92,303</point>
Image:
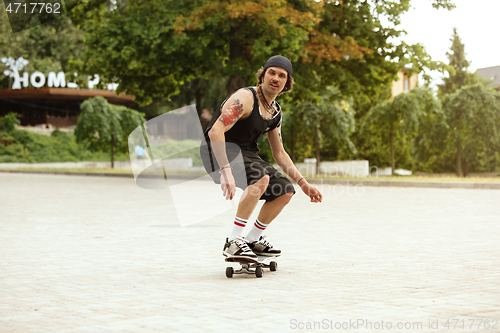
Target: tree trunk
<point>198,95</point>
<point>316,144</point>
<point>393,163</point>
<point>112,152</point>
<point>466,168</point>
<point>459,154</point>
<point>234,83</point>
<point>236,51</point>
<point>292,132</point>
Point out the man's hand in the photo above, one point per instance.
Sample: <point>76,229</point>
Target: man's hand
<point>311,191</point>
<point>227,184</point>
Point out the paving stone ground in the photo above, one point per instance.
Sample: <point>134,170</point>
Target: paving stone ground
<point>98,254</point>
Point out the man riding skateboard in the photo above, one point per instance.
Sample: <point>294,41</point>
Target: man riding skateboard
<point>241,119</point>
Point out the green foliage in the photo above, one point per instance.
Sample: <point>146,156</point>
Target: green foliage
<point>157,49</point>
<point>464,136</point>
<point>179,52</point>
<point>82,11</point>
<point>49,47</point>
<point>473,114</point>
<point>430,146</point>
<point>367,79</point>
<point>26,147</point>
<point>458,75</point>
<point>9,122</point>
<point>443,4</point>
<point>152,48</point>
<point>401,119</point>
<point>328,122</point>
<point>102,126</point>
<point>469,122</point>
<point>136,46</point>
<point>129,120</point>
<point>97,124</point>
<point>100,123</point>
<point>403,112</point>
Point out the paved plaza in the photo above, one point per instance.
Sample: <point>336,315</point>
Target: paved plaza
<point>100,254</point>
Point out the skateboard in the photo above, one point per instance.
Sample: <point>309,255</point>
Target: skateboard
<point>251,266</point>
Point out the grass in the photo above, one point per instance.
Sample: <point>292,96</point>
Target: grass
<point>420,179</point>
<point>104,170</point>
<point>80,170</point>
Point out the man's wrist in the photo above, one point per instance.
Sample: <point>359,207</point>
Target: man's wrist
<point>225,168</point>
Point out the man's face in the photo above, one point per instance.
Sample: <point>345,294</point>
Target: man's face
<point>274,80</point>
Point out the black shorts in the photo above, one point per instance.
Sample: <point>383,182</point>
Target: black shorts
<point>255,168</point>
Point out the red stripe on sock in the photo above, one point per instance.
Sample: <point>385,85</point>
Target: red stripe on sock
<point>255,224</point>
<point>239,224</point>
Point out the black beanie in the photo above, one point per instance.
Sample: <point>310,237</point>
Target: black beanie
<point>279,61</point>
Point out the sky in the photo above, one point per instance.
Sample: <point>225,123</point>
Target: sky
<point>476,23</point>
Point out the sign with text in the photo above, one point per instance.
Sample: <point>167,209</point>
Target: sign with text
<point>38,79</point>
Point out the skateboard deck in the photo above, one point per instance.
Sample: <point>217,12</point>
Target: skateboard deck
<point>251,266</point>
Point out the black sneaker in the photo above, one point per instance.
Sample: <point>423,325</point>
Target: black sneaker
<point>237,247</point>
<point>264,248</point>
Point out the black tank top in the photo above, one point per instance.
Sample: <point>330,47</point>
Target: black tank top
<point>245,132</point>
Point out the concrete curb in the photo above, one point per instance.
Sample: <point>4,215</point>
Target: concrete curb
<point>396,183</point>
<point>71,173</point>
<point>380,183</point>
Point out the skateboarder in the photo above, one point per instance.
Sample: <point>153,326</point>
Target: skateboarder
<point>241,119</point>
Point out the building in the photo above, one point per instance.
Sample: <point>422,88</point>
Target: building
<point>404,83</point>
<point>491,74</point>
<point>49,98</point>
<point>54,107</point>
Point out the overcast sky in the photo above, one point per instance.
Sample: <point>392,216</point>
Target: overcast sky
<point>477,24</point>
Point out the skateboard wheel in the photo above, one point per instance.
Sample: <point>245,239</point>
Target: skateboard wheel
<point>229,272</point>
<point>273,266</point>
<point>258,272</point>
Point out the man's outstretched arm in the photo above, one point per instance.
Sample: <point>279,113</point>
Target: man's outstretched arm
<point>286,164</point>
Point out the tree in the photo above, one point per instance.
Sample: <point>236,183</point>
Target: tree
<point>249,32</point>
<point>430,147</point>
<point>464,97</point>
<point>49,47</point>
<point>402,114</point>
<point>157,49</point>
<point>136,47</point>
<point>331,118</point>
<point>473,114</point>
<point>458,75</point>
<point>104,126</point>
<point>152,47</point>
<point>8,122</point>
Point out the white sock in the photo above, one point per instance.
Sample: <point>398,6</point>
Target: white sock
<point>256,231</point>
<point>239,225</point>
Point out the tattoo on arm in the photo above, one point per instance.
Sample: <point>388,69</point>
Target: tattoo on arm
<point>232,113</point>
<point>281,139</point>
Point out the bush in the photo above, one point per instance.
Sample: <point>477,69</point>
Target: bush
<point>26,147</point>
<point>9,122</point>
